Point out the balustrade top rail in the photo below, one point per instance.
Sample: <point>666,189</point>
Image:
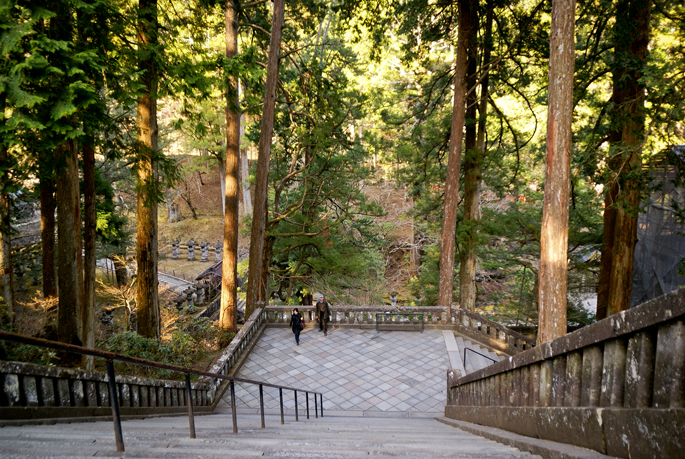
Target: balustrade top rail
<point>363,314</point>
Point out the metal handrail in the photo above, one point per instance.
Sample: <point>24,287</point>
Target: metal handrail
<point>476,352</point>
<point>111,356</point>
<point>385,314</point>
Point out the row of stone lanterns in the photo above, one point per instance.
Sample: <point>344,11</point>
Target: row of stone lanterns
<point>190,246</point>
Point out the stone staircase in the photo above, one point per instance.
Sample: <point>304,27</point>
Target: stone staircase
<point>475,362</point>
<point>456,345</point>
<point>328,437</point>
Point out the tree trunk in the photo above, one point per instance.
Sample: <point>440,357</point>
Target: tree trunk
<point>245,176</point>
<point>260,213</point>
<point>472,174</point>
<point>69,263</point>
<point>5,245</point>
<point>47,233</point>
<point>449,217</point>
<point>90,226</point>
<point>631,35</point>
<point>554,233</point>
<point>147,296</point>
<point>229,270</point>
<point>607,250</point>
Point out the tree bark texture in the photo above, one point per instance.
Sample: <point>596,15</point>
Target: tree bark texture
<point>631,37</point>
<point>554,233</point>
<point>147,302</point>
<point>5,244</point>
<point>47,233</point>
<point>90,226</point>
<point>260,213</point>
<point>69,262</point>
<point>244,175</point>
<point>449,216</point>
<point>472,174</point>
<point>229,274</point>
<point>607,250</point>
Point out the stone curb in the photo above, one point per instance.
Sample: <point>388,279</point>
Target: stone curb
<point>545,448</point>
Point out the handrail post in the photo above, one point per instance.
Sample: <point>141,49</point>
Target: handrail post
<point>114,401</point>
<point>261,403</point>
<point>296,417</point>
<point>191,417</point>
<point>321,405</point>
<point>464,357</point>
<point>306,394</point>
<point>280,395</point>
<point>316,405</point>
<point>233,409</point>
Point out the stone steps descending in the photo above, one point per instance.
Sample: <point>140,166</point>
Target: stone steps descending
<point>475,362</point>
<point>329,437</point>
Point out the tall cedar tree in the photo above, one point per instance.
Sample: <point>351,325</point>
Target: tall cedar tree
<point>90,255</point>
<point>473,171</point>
<point>69,254</point>
<point>147,296</point>
<point>467,270</point>
<point>229,273</point>
<point>5,248</point>
<point>47,231</point>
<point>449,218</point>
<point>257,288</point>
<point>554,234</point>
<point>631,38</point>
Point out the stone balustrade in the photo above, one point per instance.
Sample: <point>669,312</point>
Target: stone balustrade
<point>617,386</point>
<point>235,354</point>
<point>365,316</point>
<point>37,391</point>
<point>491,333</point>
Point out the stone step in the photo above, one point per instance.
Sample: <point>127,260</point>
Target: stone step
<point>329,437</point>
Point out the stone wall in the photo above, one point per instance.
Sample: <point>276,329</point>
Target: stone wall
<point>31,391</point>
<point>617,386</point>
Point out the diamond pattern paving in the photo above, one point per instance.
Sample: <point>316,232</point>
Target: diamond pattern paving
<point>356,370</point>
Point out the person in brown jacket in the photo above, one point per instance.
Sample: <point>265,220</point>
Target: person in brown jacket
<point>323,313</point>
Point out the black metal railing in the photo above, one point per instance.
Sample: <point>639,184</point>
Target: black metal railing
<point>110,357</point>
<point>389,318</point>
<point>476,352</point>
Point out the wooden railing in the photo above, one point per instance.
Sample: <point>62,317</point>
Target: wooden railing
<point>617,386</point>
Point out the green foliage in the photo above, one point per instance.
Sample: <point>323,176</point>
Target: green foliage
<point>192,340</point>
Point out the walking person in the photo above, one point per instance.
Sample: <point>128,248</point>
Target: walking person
<point>323,313</point>
<point>297,324</point>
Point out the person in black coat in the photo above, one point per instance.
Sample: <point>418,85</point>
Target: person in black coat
<point>295,320</point>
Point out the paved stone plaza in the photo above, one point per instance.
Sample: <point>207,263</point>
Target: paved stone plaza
<point>360,372</point>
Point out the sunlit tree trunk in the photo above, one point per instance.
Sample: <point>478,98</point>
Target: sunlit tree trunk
<point>449,216</point>
<point>69,263</point>
<point>90,226</point>
<point>147,302</point>
<point>260,213</point>
<point>554,234</point>
<point>47,233</point>
<point>472,174</point>
<point>631,35</point>
<point>229,274</point>
<point>244,174</point>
